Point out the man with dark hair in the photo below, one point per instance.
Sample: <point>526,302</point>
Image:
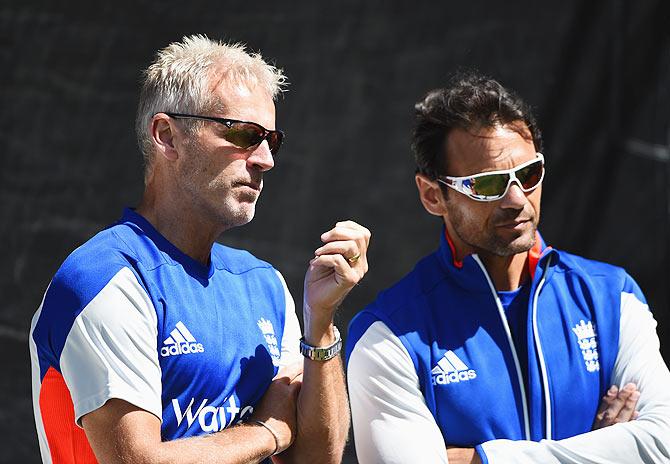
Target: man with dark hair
<point>498,348</point>
<point>167,347</point>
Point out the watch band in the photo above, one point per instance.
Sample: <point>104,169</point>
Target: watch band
<point>322,353</point>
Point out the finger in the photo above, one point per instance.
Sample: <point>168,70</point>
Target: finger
<point>349,249</point>
<point>347,233</point>
<point>636,414</point>
<point>628,409</point>
<point>621,398</point>
<point>351,224</point>
<point>290,371</point>
<point>346,248</point>
<point>345,275</point>
<point>607,400</point>
<point>605,415</point>
<point>616,404</point>
<point>354,225</point>
<point>358,235</point>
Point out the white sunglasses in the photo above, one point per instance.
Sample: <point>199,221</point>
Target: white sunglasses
<point>492,186</point>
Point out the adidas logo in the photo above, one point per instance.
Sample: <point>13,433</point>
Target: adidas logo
<point>180,341</point>
<point>450,369</point>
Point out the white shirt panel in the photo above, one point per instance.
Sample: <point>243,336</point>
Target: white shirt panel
<point>290,342</point>
<point>392,423</point>
<point>645,440</point>
<point>111,350</point>
<point>36,385</point>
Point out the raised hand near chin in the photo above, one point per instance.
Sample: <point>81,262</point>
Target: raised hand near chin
<point>337,266</point>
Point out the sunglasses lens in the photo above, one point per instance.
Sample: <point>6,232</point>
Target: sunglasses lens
<point>531,175</point>
<point>490,186</point>
<point>274,141</point>
<point>244,135</point>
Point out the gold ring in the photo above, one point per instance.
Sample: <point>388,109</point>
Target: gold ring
<point>353,259</point>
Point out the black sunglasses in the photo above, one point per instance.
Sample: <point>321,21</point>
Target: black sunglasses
<point>242,134</point>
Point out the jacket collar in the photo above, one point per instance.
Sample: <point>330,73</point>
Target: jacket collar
<point>463,269</point>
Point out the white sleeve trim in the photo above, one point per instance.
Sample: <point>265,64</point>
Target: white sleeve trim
<point>290,341</point>
<point>392,423</point>
<point>646,440</point>
<point>111,350</point>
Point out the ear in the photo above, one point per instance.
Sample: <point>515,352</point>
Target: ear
<point>431,196</point>
<point>162,134</point>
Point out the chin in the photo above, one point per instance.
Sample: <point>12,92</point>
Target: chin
<point>243,218</point>
<point>521,245</point>
<point>237,215</point>
<point>506,247</point>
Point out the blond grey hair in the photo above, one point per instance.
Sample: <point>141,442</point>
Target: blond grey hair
<point>180,80</point>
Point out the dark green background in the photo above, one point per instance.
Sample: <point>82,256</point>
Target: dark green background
<point>597,73</point>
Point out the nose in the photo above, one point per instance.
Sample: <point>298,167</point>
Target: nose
<point>261,157</point>
<point>515,198</point>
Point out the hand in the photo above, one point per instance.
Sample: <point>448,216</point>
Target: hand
<point>336,267</point>
<point>463,456</point>
<point>277,408</point>
<point>617,406</point>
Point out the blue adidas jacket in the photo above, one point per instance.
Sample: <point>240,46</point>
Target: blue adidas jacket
<point>450,310</point>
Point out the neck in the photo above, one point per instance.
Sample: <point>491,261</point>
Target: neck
<point>179,223</point>
<point>506,272</point>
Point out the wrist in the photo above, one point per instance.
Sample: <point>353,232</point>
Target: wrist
<point>324,352</point>
<point>273,446</point>
<point>318,326</point>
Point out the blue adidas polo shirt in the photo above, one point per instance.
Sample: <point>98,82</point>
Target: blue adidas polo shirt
<point>129,316</point>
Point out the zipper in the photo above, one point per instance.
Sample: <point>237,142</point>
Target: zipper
<point>503,318</point>
<point>538,349</point>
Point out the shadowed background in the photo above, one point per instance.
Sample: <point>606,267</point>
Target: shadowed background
<point>597,74</point>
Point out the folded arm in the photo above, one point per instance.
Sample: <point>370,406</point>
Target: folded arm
<point>121,433</point>
<point>644,440</point>
<point>393,424</point>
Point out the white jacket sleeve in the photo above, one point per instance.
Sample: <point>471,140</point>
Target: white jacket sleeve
<point>392,423</point>
<point>645,440</point>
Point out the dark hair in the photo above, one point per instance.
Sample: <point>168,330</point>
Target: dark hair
<point>472,101</point>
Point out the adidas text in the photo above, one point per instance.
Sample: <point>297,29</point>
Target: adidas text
<point>452,377</point>
<point>182,348</point>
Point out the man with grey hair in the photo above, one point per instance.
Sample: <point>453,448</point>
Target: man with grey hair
<point>152,332</point>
